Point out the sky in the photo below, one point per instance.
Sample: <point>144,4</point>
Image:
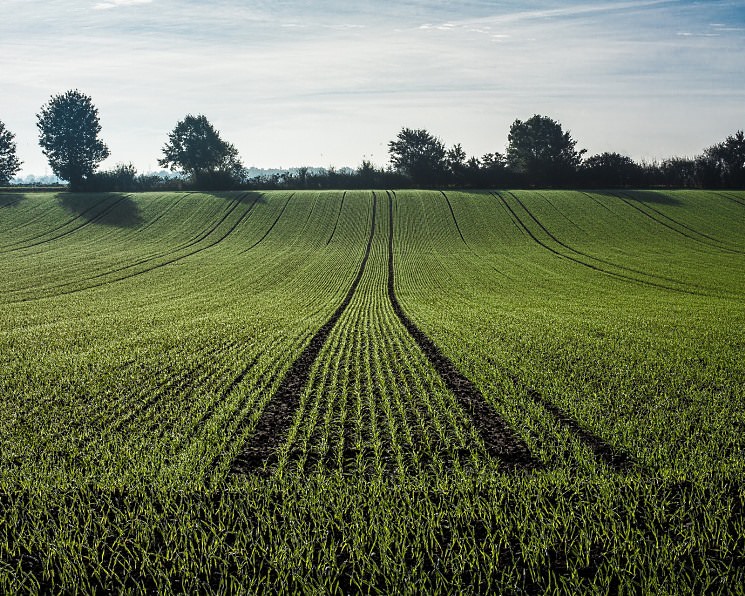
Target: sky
<point>331,82</point>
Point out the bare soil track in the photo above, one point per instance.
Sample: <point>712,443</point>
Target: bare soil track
<point>194,246</point>
<point>258,455</point>
<point>499,439</point>
<point>276,419</point>
<point>570,257</point>
<point>614,458</point>
<point>82,216</point>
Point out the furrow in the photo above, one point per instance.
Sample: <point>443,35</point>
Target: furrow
<point>689,233</point>
<point>455,221</point>
<point>154,267</point>
<point>30,221</point>
<point>166,253</point>
<point>615,459</point>
<point>162,214</point>
<point>277,417</point>
<point>499,440</point>
<point>327,390</point>
<point>591,266</point>
<point>87,222</point>
<point>457,225</point>
<point>733,198</point>
<point>594,258</point>
<point>338,216</point>
<point>274,223</point>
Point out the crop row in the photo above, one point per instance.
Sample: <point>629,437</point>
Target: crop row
<point>205,357</point>
<point>305,392</point>
<point>634,365</point>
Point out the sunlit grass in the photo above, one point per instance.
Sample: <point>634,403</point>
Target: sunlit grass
<point>142,336</point>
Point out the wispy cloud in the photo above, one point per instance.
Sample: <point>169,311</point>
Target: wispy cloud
<point>287,81</point>
<point>117,3</point>
<point>544,14</point>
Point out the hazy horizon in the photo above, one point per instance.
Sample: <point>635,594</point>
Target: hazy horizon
<point>329,84</point>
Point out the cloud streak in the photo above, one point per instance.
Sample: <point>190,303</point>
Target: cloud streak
<point>324,83</point>
<point>117,3</point>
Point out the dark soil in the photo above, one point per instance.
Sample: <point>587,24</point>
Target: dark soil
<point>500,441</point>
<point>612,457</point>
<point>276,419</point>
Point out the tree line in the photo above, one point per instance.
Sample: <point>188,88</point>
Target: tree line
<point>539,154</point>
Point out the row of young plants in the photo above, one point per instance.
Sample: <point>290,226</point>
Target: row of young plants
<point>133,365</point>
<point>374,406</point>
<point>651,369</point>
<point>128,402</point>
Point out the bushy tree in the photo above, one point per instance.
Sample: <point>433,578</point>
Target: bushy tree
<point>606,170</point>
<point>195,148</point>
<point>542,152</point>
<point>678,172</point>
<point>68,134</point>
<point>723,164</point>
<point>455,165</point>
<point>9,164</point>
<point>123,178</point>
<point>419,156</point>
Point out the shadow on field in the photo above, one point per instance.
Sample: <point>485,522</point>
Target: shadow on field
<point>649,196</point>
<point>10,199</point>
<point>232,195</point>
<point>111,209</point>
<point>641,196</point>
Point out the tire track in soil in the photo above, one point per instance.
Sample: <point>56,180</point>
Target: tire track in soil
<point>45,233</point>
<point>733,198</point>
<point>161,214</point>
<point>338,216</point>
<point>563,215</point>
<point>594,258</point>
<point>613,458</point>
<point>457,225</point>
<point>260,240</point>
<point>714,242</point>
<point>32,220</point>
<point>191,243</point>
<point>87,222</point>
<point>310,214</point>
<point>455,221</point>
<point>263,384</point>
<point>616,459</point>
<point>594,267</point>
<point>275,421</point>
<point>603,205</point>
<point>500,441</point>
<point>183,246</point>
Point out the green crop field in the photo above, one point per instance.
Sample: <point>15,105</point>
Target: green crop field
<point>398,392</point>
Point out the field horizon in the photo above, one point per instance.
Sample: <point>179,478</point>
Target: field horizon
<point>383,390</point>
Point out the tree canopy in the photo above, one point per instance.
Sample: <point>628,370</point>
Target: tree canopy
<point>68,134</point>
<point>9,164</point>
<point>419,156</point>
<point>540,150</point>
<point>539,154</point>
<point>724,163</point>
<point>195,148</point>
<point>609,170</point>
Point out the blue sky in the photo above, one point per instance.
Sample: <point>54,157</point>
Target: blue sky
<point>328,83</point>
